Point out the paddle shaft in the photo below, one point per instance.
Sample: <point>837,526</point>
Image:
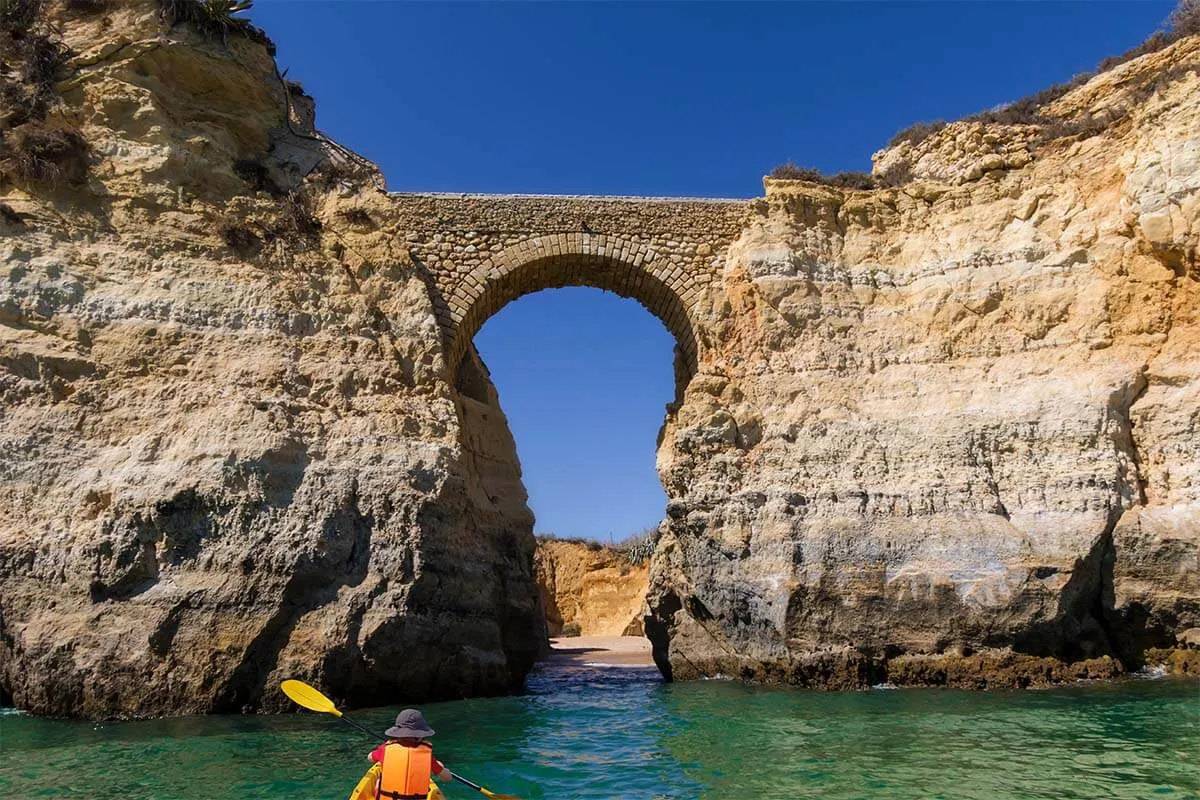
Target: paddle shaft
<point>363,728</point>
<point>466,782</point>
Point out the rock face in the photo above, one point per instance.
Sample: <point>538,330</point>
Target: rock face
<point>942,433</point>
<point>950,432</point>
<point>590,590</point>
<point>229,454</point>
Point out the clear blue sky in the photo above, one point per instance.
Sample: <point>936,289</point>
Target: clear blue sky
<point>688,99</point>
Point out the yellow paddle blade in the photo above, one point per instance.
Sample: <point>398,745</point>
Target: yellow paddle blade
<point>495,796</point>
<point>303,694</point>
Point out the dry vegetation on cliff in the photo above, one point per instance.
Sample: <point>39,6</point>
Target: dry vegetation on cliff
<point>32,58</point>
<point>215,18</point>
<point>1033,111</point>
<point>791,171</point>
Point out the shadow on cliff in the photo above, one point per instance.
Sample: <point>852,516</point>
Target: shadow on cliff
<point>1089,624</point>
<point>187,530</point>
<point>1082,628</point>
<point>339,559</point>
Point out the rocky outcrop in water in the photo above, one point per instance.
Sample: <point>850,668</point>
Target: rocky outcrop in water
<point>589,590</point>
<point>949,432</point>
<point>228,454</point>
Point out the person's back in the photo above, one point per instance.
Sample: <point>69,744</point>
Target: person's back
<point>406,760</point>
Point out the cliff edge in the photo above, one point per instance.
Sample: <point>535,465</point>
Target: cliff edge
<point>230,454</point>
<point>948,431</point>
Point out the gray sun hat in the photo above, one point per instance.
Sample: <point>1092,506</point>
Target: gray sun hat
<point>410,724</point>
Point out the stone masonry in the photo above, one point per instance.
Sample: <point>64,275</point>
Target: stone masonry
<point>484,251</point>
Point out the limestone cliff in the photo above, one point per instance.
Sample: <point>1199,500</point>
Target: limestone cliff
<point>589,589</point>
<point>945,432</point>
<point>949,432</point>
<point>229,454</point>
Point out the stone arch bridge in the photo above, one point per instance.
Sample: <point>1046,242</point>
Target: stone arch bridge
<point>483,251</point>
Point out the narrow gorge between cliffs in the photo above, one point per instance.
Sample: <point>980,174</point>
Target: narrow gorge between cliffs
<point>936,427</point>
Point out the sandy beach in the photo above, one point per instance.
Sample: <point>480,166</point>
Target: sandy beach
<point>614,651</point>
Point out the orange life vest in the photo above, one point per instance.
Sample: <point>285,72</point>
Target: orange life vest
<point>406,772</point>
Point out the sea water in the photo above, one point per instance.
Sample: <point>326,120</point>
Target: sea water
<point>622,733</point>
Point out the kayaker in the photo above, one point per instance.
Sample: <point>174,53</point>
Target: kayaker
<point>407,759</point>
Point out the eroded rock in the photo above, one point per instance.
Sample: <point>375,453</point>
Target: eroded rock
<point>590,590</point>
<point>230,453</point>
<point>958,416</point>
<point>945,432</point>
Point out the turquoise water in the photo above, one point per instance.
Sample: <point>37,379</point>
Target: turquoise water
<point>608,733</point>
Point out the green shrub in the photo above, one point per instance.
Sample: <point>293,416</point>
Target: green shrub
<point>215,19</point>
<point>639,547</point>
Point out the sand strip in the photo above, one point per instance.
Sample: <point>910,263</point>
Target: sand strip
<point>616,651</point>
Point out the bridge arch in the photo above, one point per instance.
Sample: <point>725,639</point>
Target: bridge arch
<point>636,270</point>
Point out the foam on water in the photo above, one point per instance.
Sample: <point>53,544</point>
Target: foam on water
<point>1154,673</point>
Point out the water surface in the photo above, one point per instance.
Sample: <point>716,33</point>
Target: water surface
<point>620,733</point>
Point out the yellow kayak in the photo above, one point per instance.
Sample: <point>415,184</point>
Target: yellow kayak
<point>365,790</point>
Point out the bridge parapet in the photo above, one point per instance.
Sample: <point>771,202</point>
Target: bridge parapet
<point>483,251</point>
